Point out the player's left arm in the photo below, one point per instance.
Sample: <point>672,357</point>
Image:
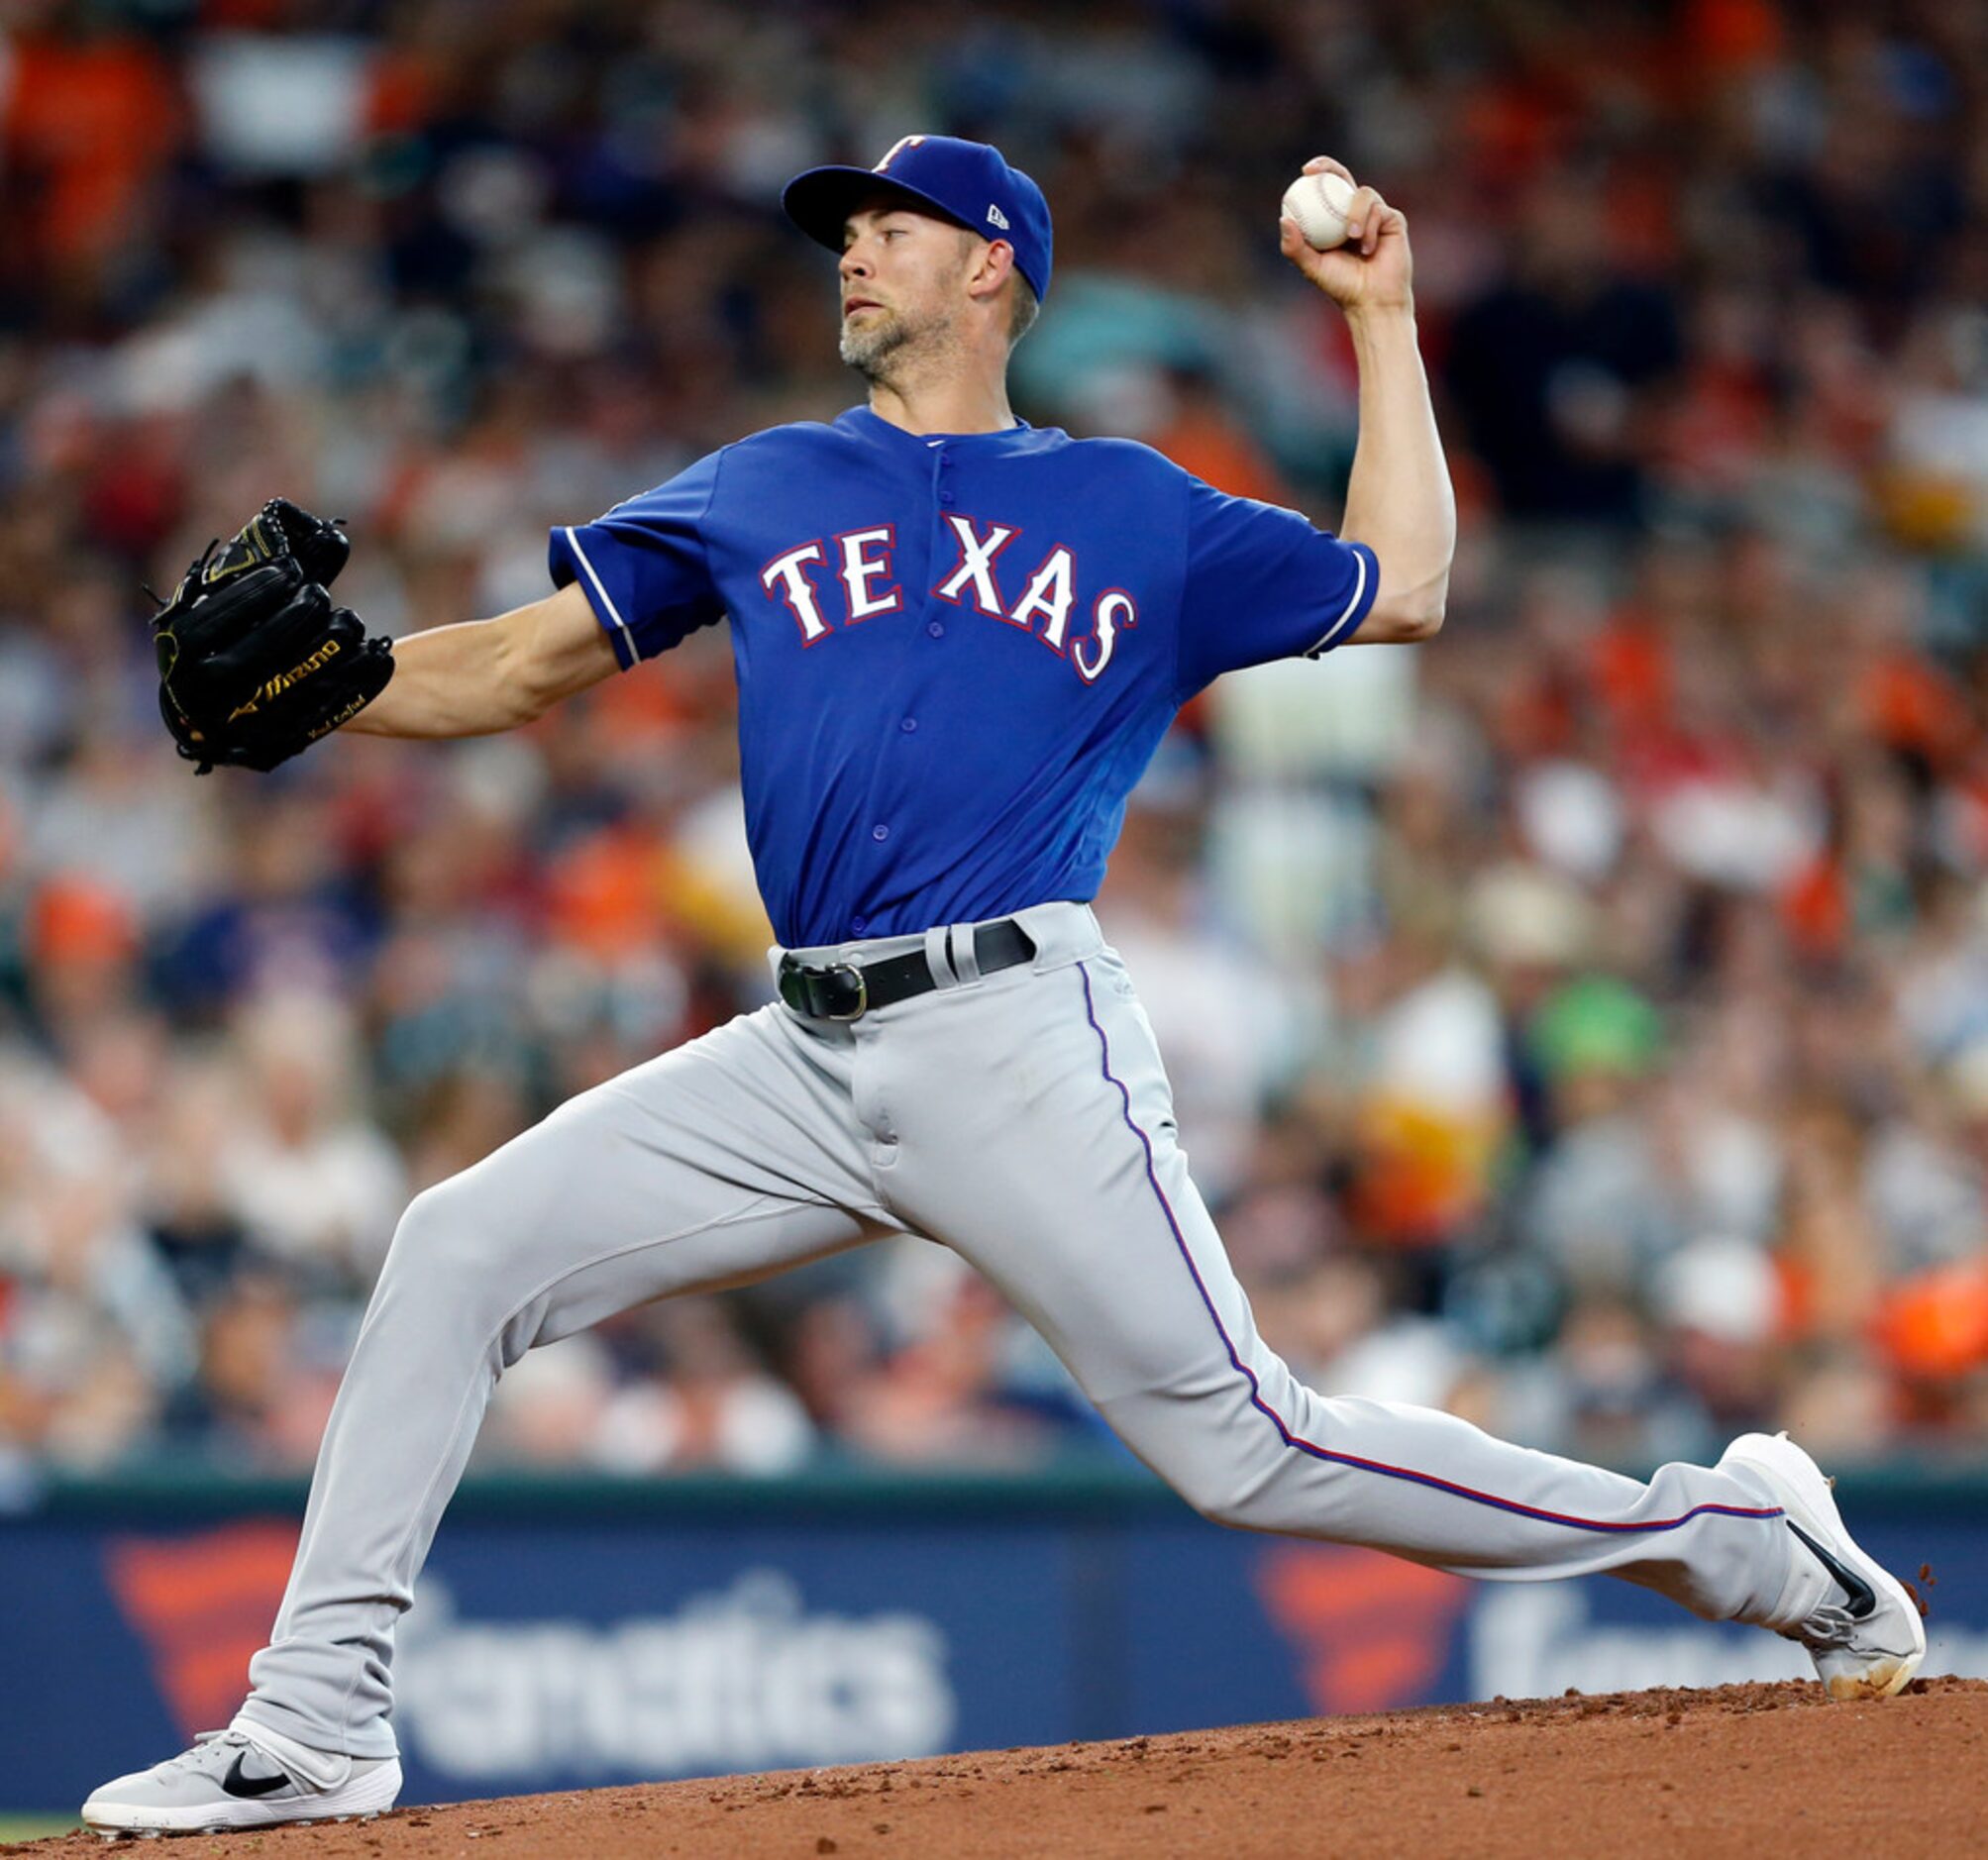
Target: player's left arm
<point>1399,500</point>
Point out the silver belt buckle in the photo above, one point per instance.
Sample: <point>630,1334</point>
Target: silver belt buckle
<point>854,970</point>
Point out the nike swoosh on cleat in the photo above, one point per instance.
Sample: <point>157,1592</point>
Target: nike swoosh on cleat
<point>1862,1597</point>
<point>250,1787</point>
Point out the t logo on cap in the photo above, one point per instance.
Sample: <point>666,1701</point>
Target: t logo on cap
<point>895,150</point>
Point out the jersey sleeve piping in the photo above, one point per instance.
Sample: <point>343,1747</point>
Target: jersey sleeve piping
<point>634,635</point>
<point>603,604</point>
<point>1365,585</point>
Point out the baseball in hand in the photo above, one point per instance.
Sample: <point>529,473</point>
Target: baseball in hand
<point>1318,203</point>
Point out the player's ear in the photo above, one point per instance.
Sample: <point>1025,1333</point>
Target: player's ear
<point>994,262</point>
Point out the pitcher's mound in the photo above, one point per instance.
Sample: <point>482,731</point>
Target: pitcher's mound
<point>1742,1770</point>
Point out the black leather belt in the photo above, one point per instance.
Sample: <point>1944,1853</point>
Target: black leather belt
<point>849,990</point>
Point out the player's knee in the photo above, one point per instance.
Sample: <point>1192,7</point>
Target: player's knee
<point>441,1237</point>
<point>1193,1449</point>
<point>1216,1493</point>
<point>1233,1510</point>
<point>455,1270</point>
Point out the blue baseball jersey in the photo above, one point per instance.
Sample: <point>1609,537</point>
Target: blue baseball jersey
<point>955,654</point>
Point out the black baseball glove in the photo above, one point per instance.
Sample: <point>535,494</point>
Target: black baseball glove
<point>255,663</point>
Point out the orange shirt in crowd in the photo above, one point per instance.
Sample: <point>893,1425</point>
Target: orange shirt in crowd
<point>87,123</point>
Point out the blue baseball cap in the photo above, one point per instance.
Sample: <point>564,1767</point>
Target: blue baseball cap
<point>968,183</point>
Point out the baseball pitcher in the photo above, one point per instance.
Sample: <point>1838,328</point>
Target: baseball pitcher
<point>958,638</point>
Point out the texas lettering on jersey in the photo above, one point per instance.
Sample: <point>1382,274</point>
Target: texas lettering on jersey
<point>842,579</point>
<point>955,651</point>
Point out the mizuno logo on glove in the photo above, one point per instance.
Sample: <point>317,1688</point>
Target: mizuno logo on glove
<point>282,681</point>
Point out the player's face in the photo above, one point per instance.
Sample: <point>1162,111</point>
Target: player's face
<point>903,276</point>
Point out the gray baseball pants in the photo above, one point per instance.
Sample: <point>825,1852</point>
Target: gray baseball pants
<point>1022,1118</point>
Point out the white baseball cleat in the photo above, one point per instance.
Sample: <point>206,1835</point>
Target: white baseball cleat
<point>1860,1628</point>
<point>232,1779</point>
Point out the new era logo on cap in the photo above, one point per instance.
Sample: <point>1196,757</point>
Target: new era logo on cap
<point>968,183</point>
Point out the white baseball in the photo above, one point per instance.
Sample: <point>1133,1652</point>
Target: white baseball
<point>1318,203</point>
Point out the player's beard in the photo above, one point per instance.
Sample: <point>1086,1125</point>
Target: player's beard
<point>868,347</point>
<point>876,348</point>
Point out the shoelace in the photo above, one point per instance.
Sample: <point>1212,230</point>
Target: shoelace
<point>201,1739</point>
<point>1828,1625</point>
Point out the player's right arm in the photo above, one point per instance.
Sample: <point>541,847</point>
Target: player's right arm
<point>1399,499</point>
<point>483,677</point>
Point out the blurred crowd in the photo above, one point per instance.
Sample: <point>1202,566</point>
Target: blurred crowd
<point>1581,1022</point>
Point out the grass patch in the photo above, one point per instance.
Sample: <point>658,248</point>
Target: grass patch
<point>35,1826</point>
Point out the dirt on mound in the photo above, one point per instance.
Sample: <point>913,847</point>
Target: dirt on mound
<point>1739,1769</point>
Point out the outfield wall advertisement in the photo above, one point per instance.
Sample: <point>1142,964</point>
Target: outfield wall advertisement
<point>570,1635</point>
